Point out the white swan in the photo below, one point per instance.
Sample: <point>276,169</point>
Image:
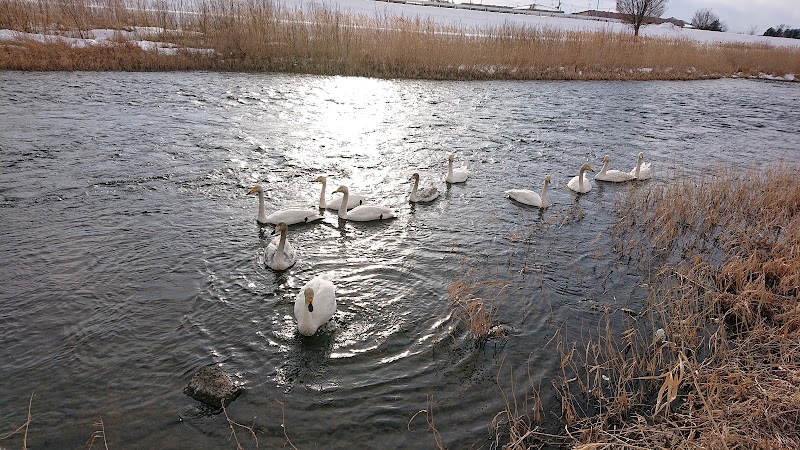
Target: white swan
<point>354,201</point>
<point>642,171</point>
<point>422,195</point>
<point>363,213</point>
<point>314,305</point>
<point>615,176</point>
<point>289,216</point>
<point>529,197</point>
<point>455,175</point>
<point>280,254</point>
<point>581,183</point>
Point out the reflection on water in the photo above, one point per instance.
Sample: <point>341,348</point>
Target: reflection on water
<point>131,257</point>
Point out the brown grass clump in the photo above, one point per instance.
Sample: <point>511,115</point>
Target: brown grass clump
<point>253,36</point>
<point>713,359</point>
<point>473,310</point>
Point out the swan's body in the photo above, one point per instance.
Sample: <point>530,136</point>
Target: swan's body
<point>529,197</point>
<point>455,175</point>
<point>615,176</point>
<point>355,199</point>
<point>424,194</point>
<point>363,213</point>
<point>642,171</point>
<point>280,254</point>
<point>314,305</point>
<point>288,216</point>
<point>581,183</point>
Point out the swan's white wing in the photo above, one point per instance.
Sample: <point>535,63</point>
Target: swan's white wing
<point>525,196</point>
<point>427,194</point>
<point>616,176</point>
<point>366,213</point>
<point>353,200</point>
<point>293,215</point>
<point>459,176</point>
<point>574,184</point>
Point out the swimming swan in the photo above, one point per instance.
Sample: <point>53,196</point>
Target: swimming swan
<point>615,176</point>
<point>581,183</point>
<point>529,197</point>
<point>279,254</point>
<point>642,171</point>
<point>354,201</point>
<point>455,175</point>
<point>289,216</point>
<point>314,305</point>
<point>422,195</point>
<point>363,213</point>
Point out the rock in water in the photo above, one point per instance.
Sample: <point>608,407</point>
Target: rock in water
<point>211,385</point>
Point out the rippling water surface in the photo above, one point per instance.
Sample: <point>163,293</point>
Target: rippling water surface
<point>131,257</point>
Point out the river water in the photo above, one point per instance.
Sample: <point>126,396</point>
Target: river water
<point>131,257</point>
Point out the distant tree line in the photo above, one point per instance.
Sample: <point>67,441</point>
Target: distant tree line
<point>783,31</point>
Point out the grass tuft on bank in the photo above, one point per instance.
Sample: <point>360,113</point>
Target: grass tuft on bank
<point>264,36</point>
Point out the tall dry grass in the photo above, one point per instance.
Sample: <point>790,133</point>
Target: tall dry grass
<point>713,358</point>
<point>262,36</point>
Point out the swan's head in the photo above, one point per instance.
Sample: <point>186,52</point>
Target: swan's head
<point>451,157</point>
<point>281,228</point>
<point>319,179</point>
<point>547,179</point>
<point>341,189</point>
<point>309,295</point>
<point>606,159</point>
<point>641,155</point>
<point>415,177</point>
<point>587,167</point>
<point>257,189</point>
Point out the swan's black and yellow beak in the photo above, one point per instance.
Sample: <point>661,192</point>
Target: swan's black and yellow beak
<point>310,303</point>
<point>252,191</point>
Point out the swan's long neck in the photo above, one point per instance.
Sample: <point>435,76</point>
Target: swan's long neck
<point>262,210</point>
<point>580,178</point>
<point>413,195</point>
<point>450,168</point>
<point>604,169</point>
<point>322,196</point>
<point>304,322</point>
<point>343,206</point>
<point>544,193</point>
<point>281,245</point>
<point>638,167</point>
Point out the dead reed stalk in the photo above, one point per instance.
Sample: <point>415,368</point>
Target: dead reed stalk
<point>21,427</point>
<point>437,438</point>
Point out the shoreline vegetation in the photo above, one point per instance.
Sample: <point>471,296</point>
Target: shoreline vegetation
<point>235,35</point>
<point>711,359</point>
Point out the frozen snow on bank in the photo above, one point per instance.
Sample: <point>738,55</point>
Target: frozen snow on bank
<point>483,19</point>
<point>104,37</point>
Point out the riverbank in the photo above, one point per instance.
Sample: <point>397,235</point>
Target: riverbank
<point>221,36</point>
<point>712,358</point>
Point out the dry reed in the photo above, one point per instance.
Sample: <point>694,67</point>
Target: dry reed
<point>712,359</point>
<point>255,36</point>
<point>473,310</point>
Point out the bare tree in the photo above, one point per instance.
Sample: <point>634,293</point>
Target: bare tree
<point>636,12</point>
<point>705,19</point>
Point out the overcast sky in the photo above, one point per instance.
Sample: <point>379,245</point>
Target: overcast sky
<point>740,15</point>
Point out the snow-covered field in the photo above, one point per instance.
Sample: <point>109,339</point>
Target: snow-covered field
<point>420,9</point>
<point>483,19</point>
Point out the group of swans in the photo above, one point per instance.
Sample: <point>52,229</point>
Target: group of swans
<point>581,182</point>
<point>315,304</point>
